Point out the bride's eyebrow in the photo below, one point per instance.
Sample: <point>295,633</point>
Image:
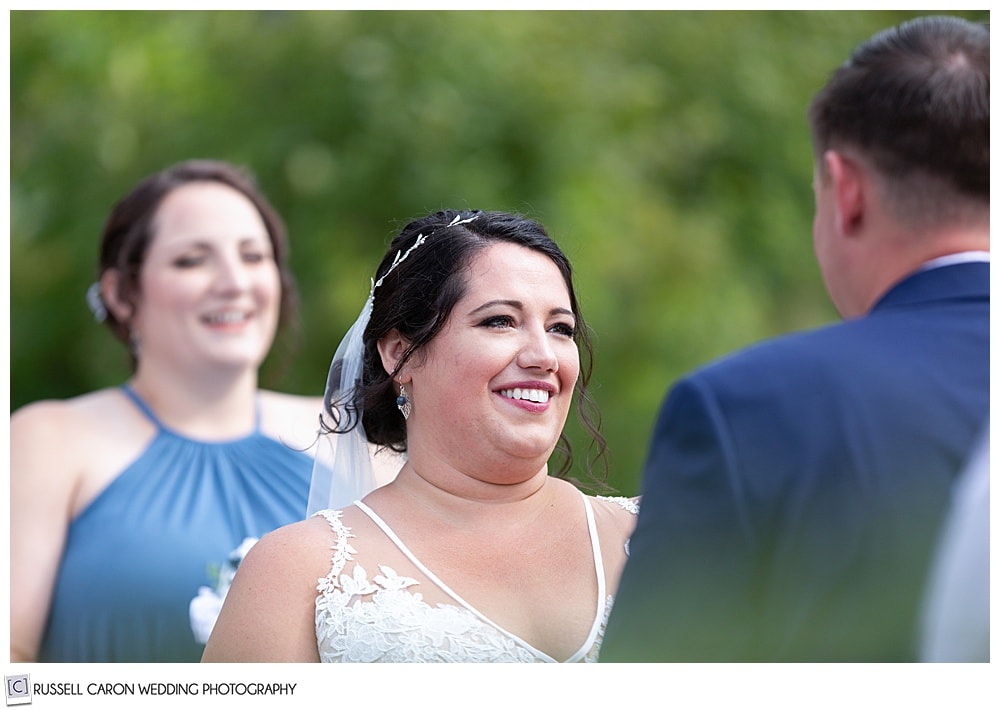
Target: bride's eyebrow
<point>518,305</point>
<point>510,303</point>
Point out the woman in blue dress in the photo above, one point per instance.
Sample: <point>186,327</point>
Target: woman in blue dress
<point>127,502</point>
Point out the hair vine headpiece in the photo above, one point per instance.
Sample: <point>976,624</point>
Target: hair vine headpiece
<point>421,238</point>
<point>342,471</point>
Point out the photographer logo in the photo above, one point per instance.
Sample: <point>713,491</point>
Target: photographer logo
<point>18,689</point>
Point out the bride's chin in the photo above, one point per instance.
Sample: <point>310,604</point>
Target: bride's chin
<point>521,470</point>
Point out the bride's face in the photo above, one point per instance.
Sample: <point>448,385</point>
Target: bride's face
<point>495,385</point>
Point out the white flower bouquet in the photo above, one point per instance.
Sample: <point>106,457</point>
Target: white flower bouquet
<point>204,608</point>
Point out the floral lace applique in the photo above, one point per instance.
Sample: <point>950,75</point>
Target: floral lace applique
<point>626,503</point>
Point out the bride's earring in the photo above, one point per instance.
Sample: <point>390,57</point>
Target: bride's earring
<point>403,402</point>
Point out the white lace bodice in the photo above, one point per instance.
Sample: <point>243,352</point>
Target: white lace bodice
<point>385,618</point>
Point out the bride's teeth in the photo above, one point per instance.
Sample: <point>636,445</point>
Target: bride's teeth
<point>532,395</point>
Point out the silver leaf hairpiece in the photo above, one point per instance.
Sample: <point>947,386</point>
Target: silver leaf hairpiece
<point>421,238</point>
<point>400,258</point>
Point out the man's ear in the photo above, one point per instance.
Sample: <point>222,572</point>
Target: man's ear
<point>391,348</point>
<point>122,310</point>
<point>849,190</point>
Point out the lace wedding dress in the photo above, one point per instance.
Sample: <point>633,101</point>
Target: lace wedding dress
<point>385,618</point>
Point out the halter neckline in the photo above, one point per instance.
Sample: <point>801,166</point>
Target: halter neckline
<point>163,428</point>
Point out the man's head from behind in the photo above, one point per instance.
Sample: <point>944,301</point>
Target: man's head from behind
<point>908,116</point>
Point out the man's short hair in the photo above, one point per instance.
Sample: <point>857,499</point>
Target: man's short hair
<point>915,99</point>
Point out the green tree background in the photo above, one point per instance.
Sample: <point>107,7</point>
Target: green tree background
<point>666,151</point>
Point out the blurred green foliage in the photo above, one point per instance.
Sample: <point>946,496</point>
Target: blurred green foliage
<point>667,152</point>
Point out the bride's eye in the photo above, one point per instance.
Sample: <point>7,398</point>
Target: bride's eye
<point>567,329</point>
<point>497,322</point>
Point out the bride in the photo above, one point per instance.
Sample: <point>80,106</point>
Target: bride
<point>468,353</point>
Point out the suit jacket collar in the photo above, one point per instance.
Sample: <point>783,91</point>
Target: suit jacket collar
<point>968,281</point>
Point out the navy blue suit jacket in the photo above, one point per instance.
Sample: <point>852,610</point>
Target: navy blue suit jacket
<point>793,491</point>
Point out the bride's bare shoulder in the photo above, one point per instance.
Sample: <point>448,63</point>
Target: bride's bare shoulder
<point>268,614</point>
<point>298,548</point>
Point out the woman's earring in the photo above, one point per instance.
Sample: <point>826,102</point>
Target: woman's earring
<point>135,343</point>
<point>403,402</point>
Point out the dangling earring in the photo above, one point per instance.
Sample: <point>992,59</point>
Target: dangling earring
<point>135,343</point>
<point>403,402</point>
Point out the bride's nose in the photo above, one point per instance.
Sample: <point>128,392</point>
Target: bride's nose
<point>537,351</point>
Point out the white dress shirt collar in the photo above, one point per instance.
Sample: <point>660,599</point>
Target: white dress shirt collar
<point>961,257</point>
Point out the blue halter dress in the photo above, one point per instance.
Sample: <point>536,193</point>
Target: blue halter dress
<point>137,555</point>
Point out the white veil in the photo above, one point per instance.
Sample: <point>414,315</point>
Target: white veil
<point>343,472</point>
